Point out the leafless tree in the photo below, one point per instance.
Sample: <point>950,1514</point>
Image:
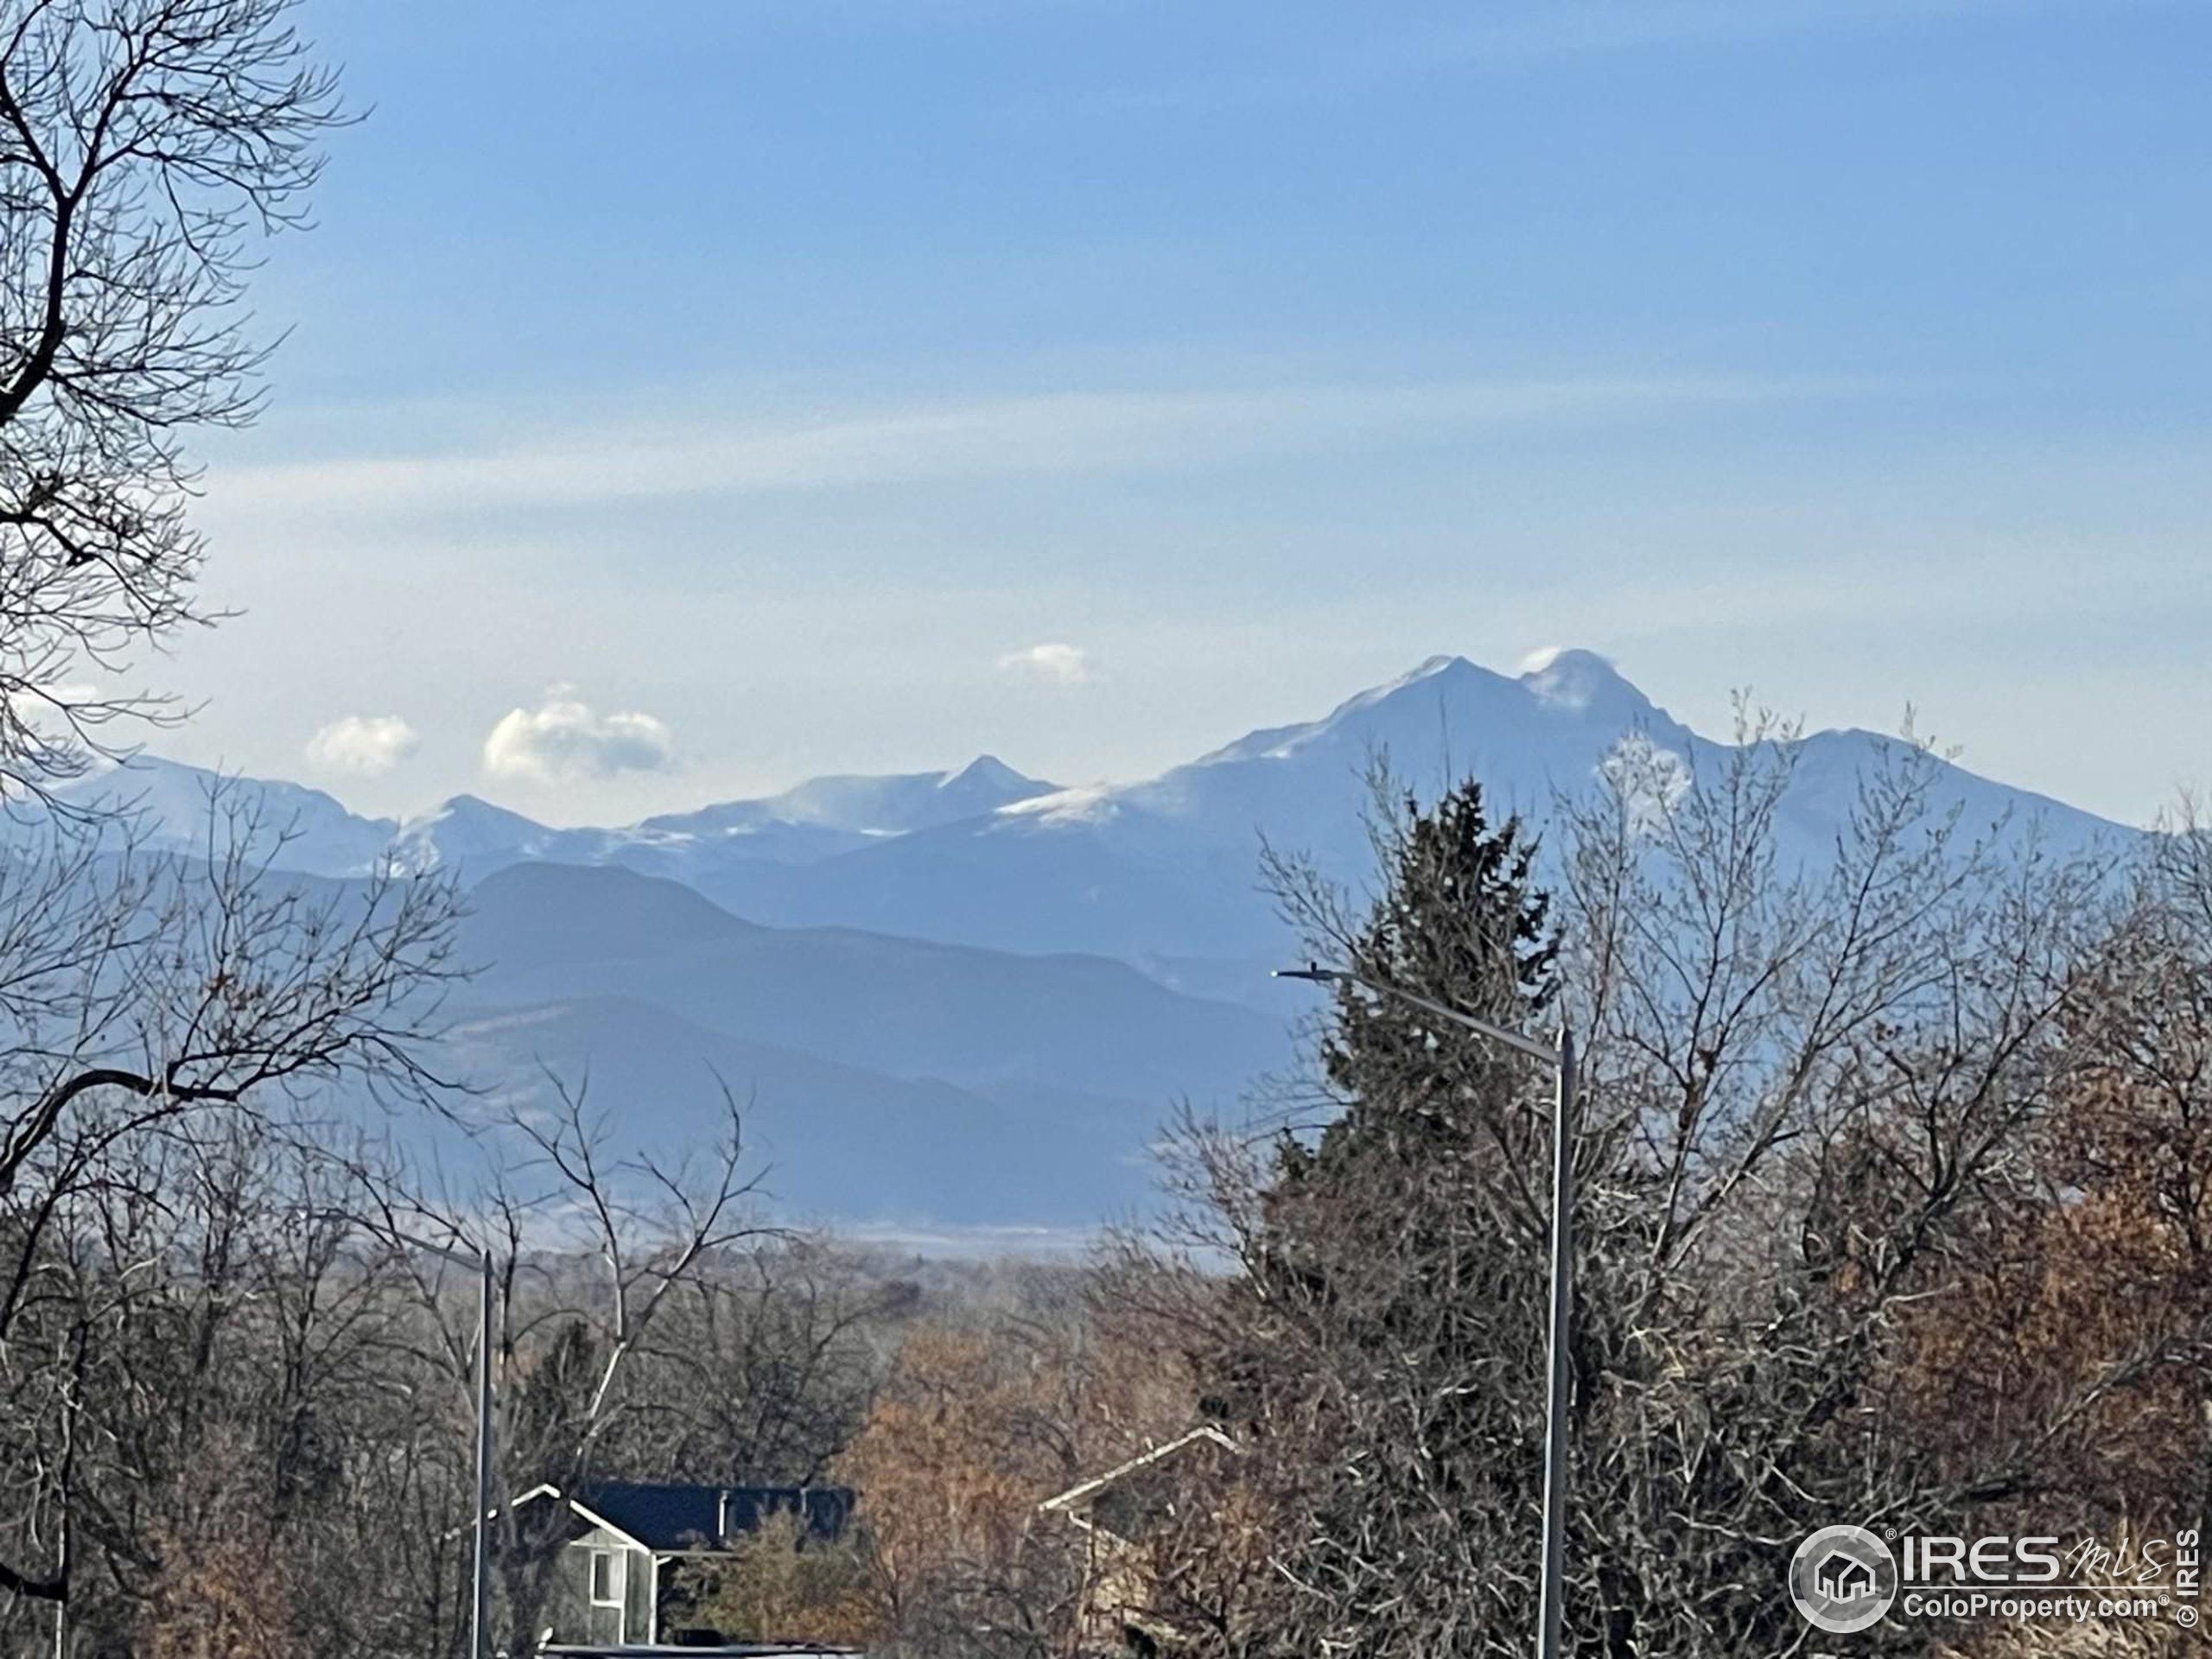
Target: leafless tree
<point>592,1250</point>
<point>759,1369</point>
<point>1816,1073</point>
<point>146,148</point>
<point>158,1012</point>
<point>1815,1076</point>
<point>215,1416</point>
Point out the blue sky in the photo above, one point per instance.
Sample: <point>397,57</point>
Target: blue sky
<point>783,375</point>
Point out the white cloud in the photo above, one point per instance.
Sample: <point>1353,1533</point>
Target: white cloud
<point>1061,664</point>
<point>368,746</point>
<point>563,738</point>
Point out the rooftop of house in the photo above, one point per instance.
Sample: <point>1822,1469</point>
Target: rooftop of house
<point>1079,1497</point>
<point>670,1517</point>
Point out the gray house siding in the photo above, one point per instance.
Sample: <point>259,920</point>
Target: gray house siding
<point>606,1593</point>
<point>606,1588</point>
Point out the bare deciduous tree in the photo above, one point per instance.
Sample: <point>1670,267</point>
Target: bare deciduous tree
<point>146,146</point>
<point>1816,1075</point>
<point>157,1009</point>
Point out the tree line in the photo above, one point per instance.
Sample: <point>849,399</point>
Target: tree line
<point>1894,1194</point>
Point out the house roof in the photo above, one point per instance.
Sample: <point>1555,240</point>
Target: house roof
<point>1076,1496</point>
<point>675,1518</point>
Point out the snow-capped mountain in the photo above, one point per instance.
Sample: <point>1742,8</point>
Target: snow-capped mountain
<point>1163,871</point>
<point>466,833</point>
<point>971,996</point>
<point>1159,872</point>
<point>475,837</point>
<point>174,806</point>
<point>826,816</point>
<point>865,806</point>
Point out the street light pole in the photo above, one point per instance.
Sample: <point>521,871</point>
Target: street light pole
<point>479,1627</point>
<point>1550,1615</point>
<point>1561,1058</point>
<point>480,1616</point>
<point>480,1619</point>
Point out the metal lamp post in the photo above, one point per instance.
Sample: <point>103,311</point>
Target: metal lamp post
<point>1561,1059</point>
<point>480,1619</point>
<point>480,1616</point>
<point>480,1622</point>
<point>480,1625</point>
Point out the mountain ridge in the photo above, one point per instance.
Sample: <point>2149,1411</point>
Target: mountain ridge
<point>1146,871</point>
<point>971,996</point>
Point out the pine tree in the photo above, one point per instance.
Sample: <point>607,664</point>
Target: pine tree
<point>1392,1340</point>
<point>1460,922</point>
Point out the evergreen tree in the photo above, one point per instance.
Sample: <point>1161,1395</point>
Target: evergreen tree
<point>1460,922</point>
<point>1394,1320</point>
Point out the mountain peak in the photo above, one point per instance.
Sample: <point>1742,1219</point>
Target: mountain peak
<point>1448,695</point>
<point>1572,679</point>
<point>1444,665</point>
<point>986,772</point>
<point>464,829</point>
<point>474,808</point>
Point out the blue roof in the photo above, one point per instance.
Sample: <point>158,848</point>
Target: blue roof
<point>706,1517</point>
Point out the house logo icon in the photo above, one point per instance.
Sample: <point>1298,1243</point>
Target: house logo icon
<point>1843,1579</point>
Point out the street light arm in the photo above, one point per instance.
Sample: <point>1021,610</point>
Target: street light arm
<point>479,1260</point>
<point>384,1233</point>
<point>1529,1046</point>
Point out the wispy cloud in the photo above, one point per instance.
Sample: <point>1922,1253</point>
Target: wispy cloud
<point>362,745</point>
<point>1069,433</point>
<point>563,738</point>
<point>1061,664</point>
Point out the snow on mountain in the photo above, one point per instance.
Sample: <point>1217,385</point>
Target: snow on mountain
<point>1165,869</point>
<point>1525,738</point>
<point>971,996</point>
<point>171,803</point>
<point>1162,872</point>
<point>836,814</point>
<point>1166,866</point>
<point>817,819</point>
<point>474,837</point>
<point>467,833</point>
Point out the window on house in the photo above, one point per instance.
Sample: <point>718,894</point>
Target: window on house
<point>606,1578</point>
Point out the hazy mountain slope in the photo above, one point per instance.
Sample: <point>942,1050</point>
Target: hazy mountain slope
<point>903,1007</point>
<point>836,1141</point>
